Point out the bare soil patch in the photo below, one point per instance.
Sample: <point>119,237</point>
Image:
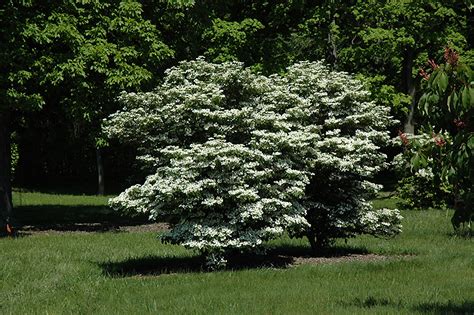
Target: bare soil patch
<point>346,258</point>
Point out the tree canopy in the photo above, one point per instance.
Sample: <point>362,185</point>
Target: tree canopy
<point>64,62</point>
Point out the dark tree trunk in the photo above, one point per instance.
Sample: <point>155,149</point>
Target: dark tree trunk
<point>6,207</point>
<point>409,88</point>
<point>312,242</point>
<point>100,173</point>
<point>319,244</point>
<point>332,41</point>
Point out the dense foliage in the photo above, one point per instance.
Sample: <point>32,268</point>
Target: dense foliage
<point>236,158</point>
<point>63,63</point>
<point>72,57</point>
<point>419,187</point>
<point>448,108</point>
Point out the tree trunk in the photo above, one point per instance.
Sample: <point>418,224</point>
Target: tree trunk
<point>100,173</point>
<point>409,88</point>
<point>332,42</point>
<point>319,244</point>
<point>6,207</point>
<point>312,242</point>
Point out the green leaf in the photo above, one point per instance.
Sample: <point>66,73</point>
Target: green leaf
<point>452,171</point>
<point>433,99</point>
<point>423,104</point>
<point>470,142</point>
<point>442,82</point>
<point>466,99</point>
<point>433,78</point>
<point>419,161</point>
<point>471,95</point>
<point>455,99</point>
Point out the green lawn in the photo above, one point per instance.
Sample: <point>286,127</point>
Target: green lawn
<point>56,211</point>
<point>133,273</point>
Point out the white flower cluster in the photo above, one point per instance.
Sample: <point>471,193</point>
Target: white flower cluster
<point>382,222</point>
<point>239,158</point>
<point>403,162</point>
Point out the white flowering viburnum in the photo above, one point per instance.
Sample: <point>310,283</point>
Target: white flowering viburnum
<point>352,130</point>
<point>237,158</point>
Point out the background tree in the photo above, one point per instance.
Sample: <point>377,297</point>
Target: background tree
<point>93,50</point>
<point>13,52</point>
<point>386,39</point>
<point>447,105</point>
<point>76,55</point>
<point>72,57</point>
<point>441,158</point>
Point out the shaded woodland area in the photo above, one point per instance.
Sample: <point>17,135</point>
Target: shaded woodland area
<point>63,64</point>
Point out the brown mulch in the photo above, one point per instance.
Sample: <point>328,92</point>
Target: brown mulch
<point>288,260</point>
<point>152,227</point>
<point>346,258</point>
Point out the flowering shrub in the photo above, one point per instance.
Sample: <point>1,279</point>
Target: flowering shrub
<point>236,158</point>
<point>419,187</point>
<point>351,129</point>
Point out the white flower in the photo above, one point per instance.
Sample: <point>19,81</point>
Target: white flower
<point>237,158</point>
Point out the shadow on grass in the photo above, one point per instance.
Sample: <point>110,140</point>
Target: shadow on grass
<point>370,302</point>
<point>305,251</point>
<point>152,266</point>
<point>464,234</point>
<point>71,219</point>
<point>450,307</point>
<point>155,265</point>
<point>280,257</point>
<point>436,308</point>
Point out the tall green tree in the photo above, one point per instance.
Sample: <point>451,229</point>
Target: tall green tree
<point>391,39</point>
<point>75,54</point>
<point>447,105</point>
<point>13,91</point>
<point>386,42</point>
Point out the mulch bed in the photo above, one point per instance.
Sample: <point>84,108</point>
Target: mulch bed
<point>346,258</point>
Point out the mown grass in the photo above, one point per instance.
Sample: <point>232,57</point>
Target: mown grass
<point>28,198</point>
<point>123,273</point>
<point>67,212</point>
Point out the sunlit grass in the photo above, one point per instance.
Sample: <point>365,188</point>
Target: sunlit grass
<point>28,198</point>
<point>430,272</point>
